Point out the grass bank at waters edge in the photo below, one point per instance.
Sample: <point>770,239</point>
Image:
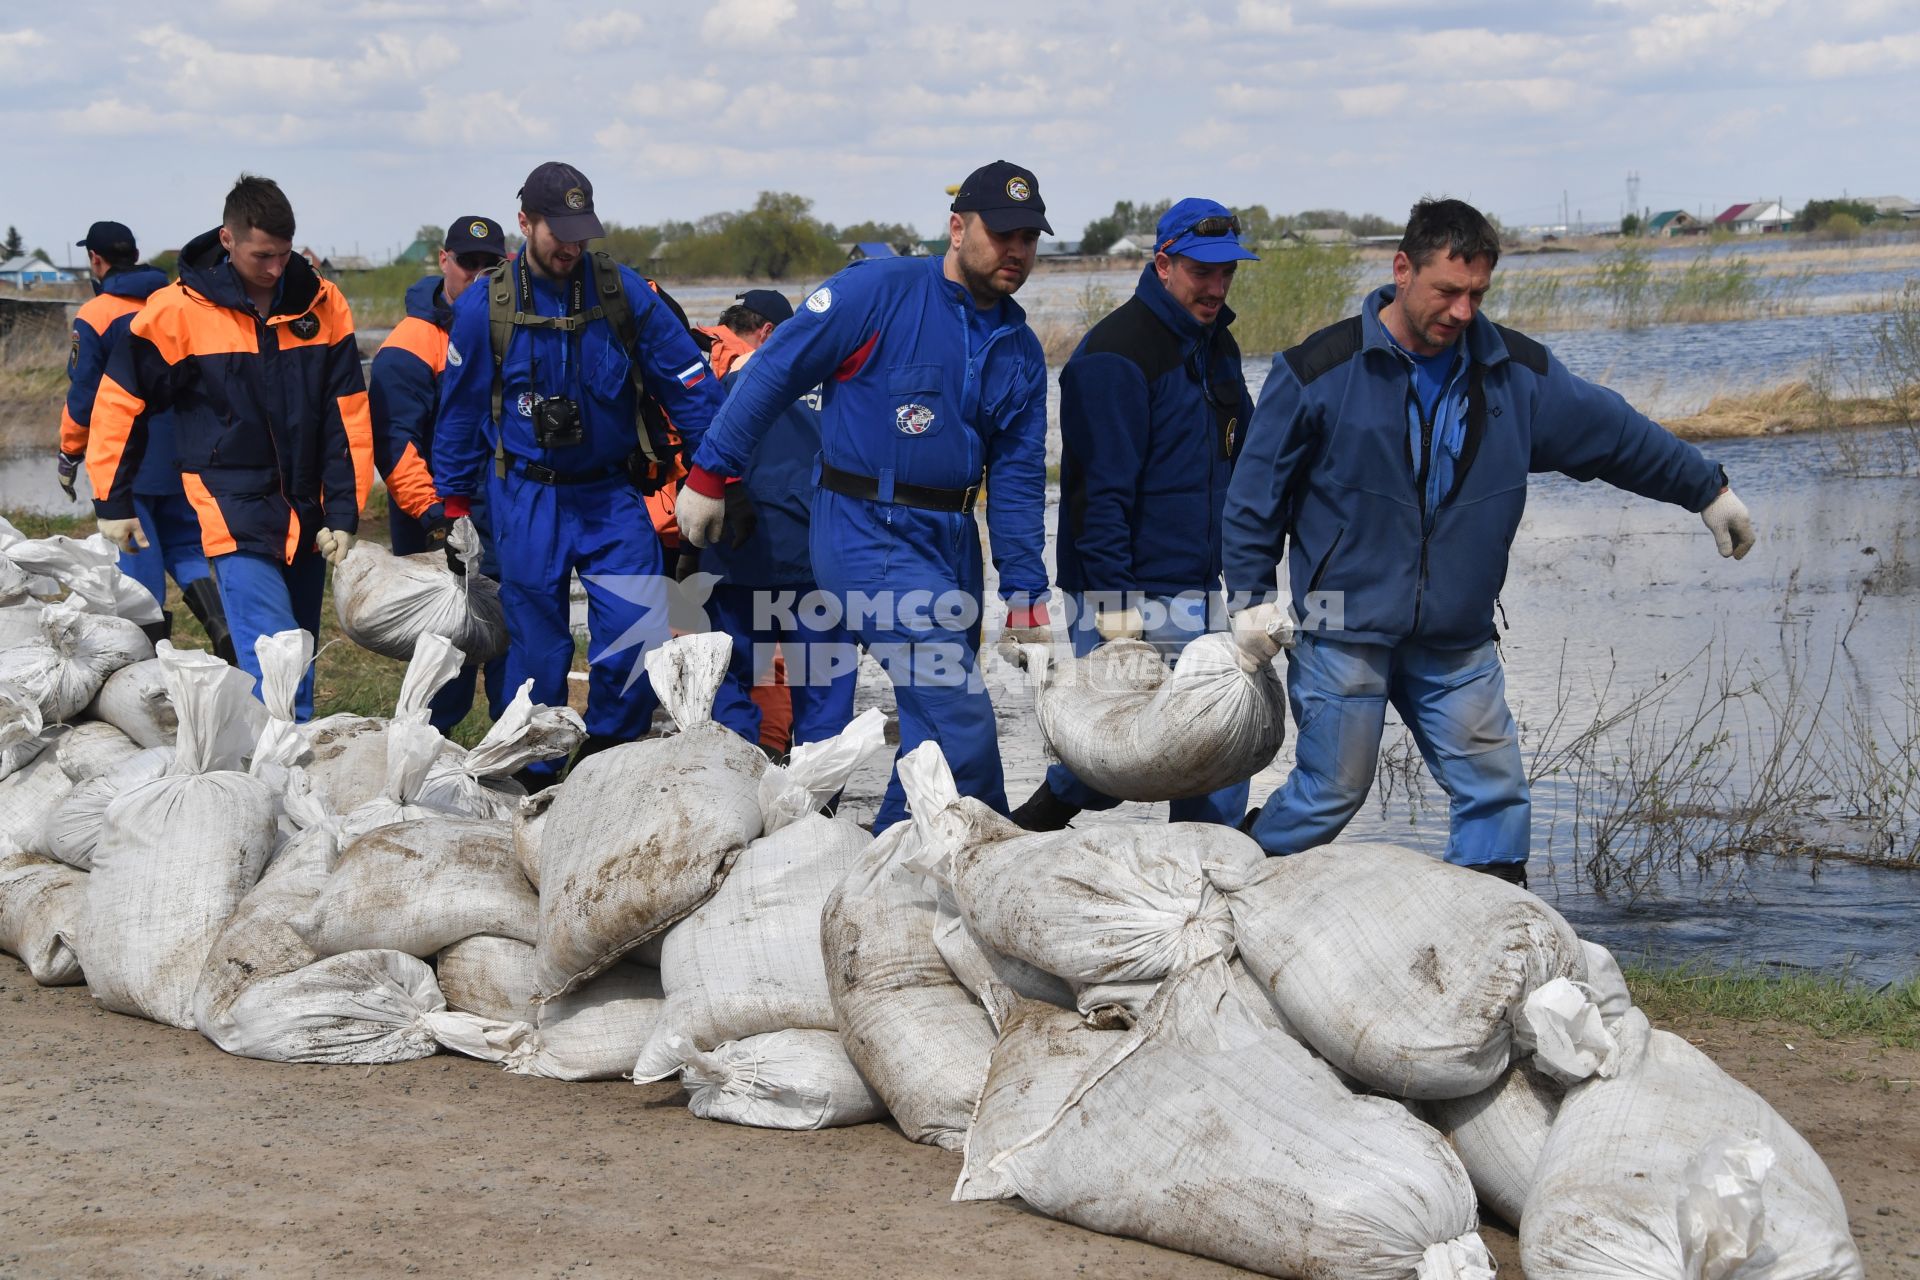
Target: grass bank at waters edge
<point>1827,1006</point>
<point>1793,407</point>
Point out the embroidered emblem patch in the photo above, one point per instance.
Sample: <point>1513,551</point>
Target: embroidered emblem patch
<point>307,326</point>
<point>820,299</point>
<point>1017,188</point>
<point>913,419</point>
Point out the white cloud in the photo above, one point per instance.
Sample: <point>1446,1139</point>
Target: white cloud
<point>199,74</point>
<point>616,28</point>
<point>746,23</point>
<point>489,118</point>
<point>18,50</point>
<point>1265,15</point>
<point>1372,101</point>
<point>1865,57</point>
<point>1711,25</point>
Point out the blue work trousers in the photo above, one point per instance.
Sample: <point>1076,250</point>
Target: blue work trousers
<point>408,537</point>
<point>822,663</point>
<point>1454,701</point>
<point>173,544</point>
<point>263,595</point>
<point>1172,622</point>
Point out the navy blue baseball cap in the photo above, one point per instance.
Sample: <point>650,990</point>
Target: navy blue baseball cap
<point>769,304</point>
<point>105,237</point>
<point>1204,230</point>
<point>474,234</point>
<point>1006,197</point>
<point>562,195</point>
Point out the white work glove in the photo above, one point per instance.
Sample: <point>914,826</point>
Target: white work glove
<point>1260,633</point>
<point>1119,624</point>
<point>333,544</point>
<point>702,520</point>
<point>124,534</point>
<point>1732,527</point>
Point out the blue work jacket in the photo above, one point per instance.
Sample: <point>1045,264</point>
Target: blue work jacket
<point>779,481</point>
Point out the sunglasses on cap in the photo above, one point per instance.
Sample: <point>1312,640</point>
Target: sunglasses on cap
<point>477,261</point>
<point>1215,226</point>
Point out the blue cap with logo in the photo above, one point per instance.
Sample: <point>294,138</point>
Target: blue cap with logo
<point>562,195</point>
<point>768,304</point>
<point>1006,196</point>
<point>475,234</point>
<point>1204,230</point>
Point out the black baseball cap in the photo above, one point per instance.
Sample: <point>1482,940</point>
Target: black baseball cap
<point>562,195</point>
<point>1006,197</point>
<point>473,234</point>
<point>106,237</point>
<point>770,304</point>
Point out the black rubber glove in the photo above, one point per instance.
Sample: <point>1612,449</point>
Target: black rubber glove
<point>741,518</point>
<point>69,468</point>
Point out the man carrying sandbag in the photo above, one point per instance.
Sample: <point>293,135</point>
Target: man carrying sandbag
<point>1393,449</point>
<point>403,393</point>
<point>1152,408</point>
<point>255,355</point>
<point>929,379</point>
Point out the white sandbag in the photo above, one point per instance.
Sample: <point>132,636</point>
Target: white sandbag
<point>590,1033</point>
<point>92,748</point>
<point>1606,985</point>
<point>1672,1168</point>
<point>993,978</point>
<point>134,700</point>
<point>917,1035</point>
<point>1203,1131</point>
<point>20,583</point>
<point>283,658</point>
<point>356,1007</point>
<point>41,904</point>
<point>76,652</point>
<point>488,976</point>
<point>32,794</point>
<point>529,824</point>
<point>1405,972</point>
<point>22,731</point>
<point>1132,727</point>
<point>386,602</point>
<point>178,854</point>
<point>420,887</point>
<point>644,832</point>
<point>89,568</point>
<point>73,830</point>
<point>784,1080</point>
<point>478,784</point>
<point>1499,1133</point>
<point>412,748</point>
<point>346,756</point>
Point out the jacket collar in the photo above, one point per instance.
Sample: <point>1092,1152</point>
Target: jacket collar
<point>427,300</point>
<point>1484,343</point>
<point>205,270</point>
<point>1167,309</point>
<point>131,282</point>
<point>1011,315</point>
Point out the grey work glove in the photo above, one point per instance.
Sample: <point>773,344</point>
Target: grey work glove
<point>1260,633</point>
<point>1732,527</point>
<point>702,520</point>
<point>1119,624</point>
<point>333,544</point>
<point>124,534</point>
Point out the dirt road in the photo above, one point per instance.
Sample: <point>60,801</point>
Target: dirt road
<point>133,1149</point>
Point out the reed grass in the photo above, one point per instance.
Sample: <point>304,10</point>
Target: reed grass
<point>1291,293</point>
<point>1827,1005</point>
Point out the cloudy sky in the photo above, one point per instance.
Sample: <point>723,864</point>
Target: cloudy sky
<point>379,115</point>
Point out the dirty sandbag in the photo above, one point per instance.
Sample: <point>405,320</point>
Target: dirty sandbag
<point>1405,972</point>
<point>590,1033</point>
<point>134,701</point>
<point>73,830</point>
<point>421,886</point>
<point>177,855</point>
<point>479,784</point>
<point>347,755</point>
<point>1173,1135</point>
<point>283,658</point>
<point>748,960</point>
<point>41,904</point>
<point>644,832</point>
<point>89,568</point>
<point>529,824</point>
<point>412,748</point>
<point>22,731</point>
<point>386,603</point>
<point>358,1007</point>
<point>1674,1168</point>
<point>65,668</point>
<point>487,976</point>
<point>1499,1133</point>
<point>1605,984</point>
<point>20,623</point>
<point>1130,726</point>
<point>801,1079</point>
<point>916,1033</point>
<point>31,795</point>
<point>91,748</point>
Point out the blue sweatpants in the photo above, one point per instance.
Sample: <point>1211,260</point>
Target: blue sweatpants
<point>262,595</point>
<point>601,531</point>
<point>823,665</point>
<point>407,536</point>
<point>1454,701</point>
<point>1172,622</point>
<point>173,544</point>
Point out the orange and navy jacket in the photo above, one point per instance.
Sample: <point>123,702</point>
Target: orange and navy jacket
<point>100,326</point>
<point>270,414</point>
<point>727,350</point>
<point>403,392</point>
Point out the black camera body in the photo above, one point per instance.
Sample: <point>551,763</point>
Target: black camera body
<point>557,423</point>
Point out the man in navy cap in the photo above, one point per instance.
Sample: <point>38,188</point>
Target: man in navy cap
<point>403,393</point>
<point>930,381</point>
<point>1152,408</point>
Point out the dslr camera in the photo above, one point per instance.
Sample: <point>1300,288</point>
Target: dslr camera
<point>557,423</point>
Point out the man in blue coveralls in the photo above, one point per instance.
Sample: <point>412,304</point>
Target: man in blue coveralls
<point>551,414</point>
<point>1393,449</point>
<point>1152,407</point>
<point>929,379</point>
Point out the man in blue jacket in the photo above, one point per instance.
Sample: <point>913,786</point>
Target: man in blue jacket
<point>549,421</point>
<point>1152,408</point>
<point>930,380</point>
<point>1393,449</point>
<point>766,597</point>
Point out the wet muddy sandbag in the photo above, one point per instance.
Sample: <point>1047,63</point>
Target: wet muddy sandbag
<point>134,700</point>
<point>748,960</point>
<point>917,1035</point>
<point>73,830</point>
<point>346,756</point>
<point>358,1007</point>
<point>478,783</point>
<point>386,602</point>
<point>488,976</point>
<point>41,905</point>
<point>419,887</point>
<point>591,1033</point>
<point>529,824</point>
<point>1672,1168</point>
<point>92,748</point>
<point>644,832</point>
<point>177,855</point>
<point>1407,973</point>
<point>66,667</point>
<point>1132,727</point>
<point>1203,1131</point>
<point>1499,1133</point>
<point>800,1079</point>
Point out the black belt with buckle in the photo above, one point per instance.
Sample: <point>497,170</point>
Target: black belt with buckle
<point>927,498</point>
<point>540,474</point>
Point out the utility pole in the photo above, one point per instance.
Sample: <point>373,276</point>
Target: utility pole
<point>1633,190</point>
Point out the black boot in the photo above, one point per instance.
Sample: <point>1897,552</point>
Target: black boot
<point>202,599</point>
<point>161,630</point>
<point>1044,811</point>
<point>593,746</point>
<point>1511,872</point>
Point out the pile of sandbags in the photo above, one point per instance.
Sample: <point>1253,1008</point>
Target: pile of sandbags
<point>386,603</point>
<point>66,667</point>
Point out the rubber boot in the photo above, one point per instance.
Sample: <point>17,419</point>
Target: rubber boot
<point>1511,872</point>
<point>1044,811</point>
<point>202,598</point>
<point>161,630</point>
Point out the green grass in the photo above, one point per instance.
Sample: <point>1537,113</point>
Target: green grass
<point>379,297</point>
<point>1826,1005</point>
<point>1291,293</point>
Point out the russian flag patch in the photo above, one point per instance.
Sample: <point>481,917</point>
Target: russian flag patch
<point>693,374</point>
